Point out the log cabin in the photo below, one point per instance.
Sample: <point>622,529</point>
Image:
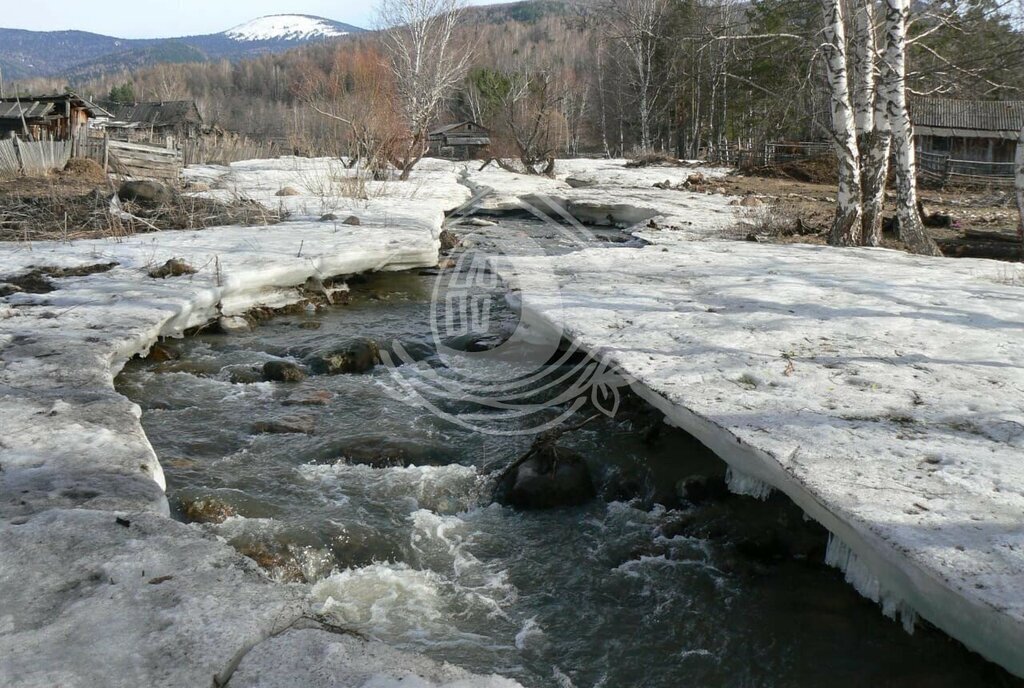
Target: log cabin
<point>459,141</point>
<point>983,131</point>
<point>63,117</point>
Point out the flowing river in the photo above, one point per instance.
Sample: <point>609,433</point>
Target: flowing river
<point>385,508</point>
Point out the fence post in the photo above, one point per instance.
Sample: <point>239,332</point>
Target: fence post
<point>106,151</point>
<point>17,152</point>
<point>946,167</point>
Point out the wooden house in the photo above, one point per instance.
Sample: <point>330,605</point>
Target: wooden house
<point>153,121</point>
<point>984,131</point>
<point>63,117</point>
<point>461,141</point>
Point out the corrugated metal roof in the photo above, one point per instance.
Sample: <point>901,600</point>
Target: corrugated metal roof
<point>28,110</point>
<point>997,116</point>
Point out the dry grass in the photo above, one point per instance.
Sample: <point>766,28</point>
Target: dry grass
<point>64,209</point>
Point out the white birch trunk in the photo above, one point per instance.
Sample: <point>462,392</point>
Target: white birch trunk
<point>873,132</point>
<point>911,228</point>
<point>846,228</point>
<point>1019,184</point>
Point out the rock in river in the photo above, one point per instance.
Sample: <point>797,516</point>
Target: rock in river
<point>552,477</point>
<point>283,371</point>
<point>359,357</point>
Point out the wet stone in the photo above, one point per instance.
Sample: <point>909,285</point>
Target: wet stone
<point>285,426</point>
<point>283,371</point>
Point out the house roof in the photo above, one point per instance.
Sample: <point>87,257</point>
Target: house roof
<point>450,127</point>
<point>38,107</point>
<point>967,118</point>
<point>157,114</point>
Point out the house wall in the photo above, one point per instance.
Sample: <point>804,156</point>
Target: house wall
<point>962,148</point>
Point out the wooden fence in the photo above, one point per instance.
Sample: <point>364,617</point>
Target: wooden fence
<point>740,155</point>
<point>33,158</point>
<point>137,160</point>
<point>943,169</point>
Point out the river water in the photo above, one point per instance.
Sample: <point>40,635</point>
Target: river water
<point>384,507</point>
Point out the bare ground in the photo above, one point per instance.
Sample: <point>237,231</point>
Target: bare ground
<point>788,201</point>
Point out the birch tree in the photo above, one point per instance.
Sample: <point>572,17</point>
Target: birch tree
<point>427,63</point>
<point>846,228</point>
<point>911,227</point>
<point>873,130</point>
<point>639,25</point>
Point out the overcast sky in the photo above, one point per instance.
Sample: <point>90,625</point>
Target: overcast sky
<point>165,18</point>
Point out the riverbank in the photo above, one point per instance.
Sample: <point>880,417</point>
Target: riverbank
<point>879,391</point>
<point>99,586</point>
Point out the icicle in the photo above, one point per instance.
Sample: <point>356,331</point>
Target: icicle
<point>840,556</point>
<point>743,484</point>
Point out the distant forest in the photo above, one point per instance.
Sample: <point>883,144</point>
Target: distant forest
<point>702,75</point>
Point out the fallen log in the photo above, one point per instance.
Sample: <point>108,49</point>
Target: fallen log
<point>985,235</point>
<point>966,248</point>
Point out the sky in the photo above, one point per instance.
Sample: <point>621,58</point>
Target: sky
<point>170,18</point>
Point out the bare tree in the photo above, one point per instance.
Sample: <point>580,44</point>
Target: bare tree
<point>530,107</point>
<point>427,63</point>
<point>638,26</point>
<point>846,228</point>
<point>910,225</point>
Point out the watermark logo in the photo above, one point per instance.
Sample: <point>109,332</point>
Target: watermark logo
<point>504,364</point>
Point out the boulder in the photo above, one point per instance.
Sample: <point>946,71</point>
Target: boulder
<point>581,182</point>
<point>284,426</point>
<point>289,191</point>
<point>751,202</point>
<point>145,192</point>
<point>329,217</point>
<point>478,222</point>
<point>283,371</point>
<point>207,510</point>
<point>360,357</point>
<point>235,324</point>
<point>319,397</point>
<point>246,376</point>
<point>696,179</point>
<point>175,267</point>
<point>352,221</point>
<point>448,240</point>
<point>553,477</point>
<point>161,353</point>
<point>197,187</point>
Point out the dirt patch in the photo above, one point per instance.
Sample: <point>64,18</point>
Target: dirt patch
<point>802,212</point>
<point>39,280</point>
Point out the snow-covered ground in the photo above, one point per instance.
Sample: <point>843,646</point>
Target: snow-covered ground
<point>884,393</point>
<point>881,392</point>
<point>98,587</point>
<point>605,192</point>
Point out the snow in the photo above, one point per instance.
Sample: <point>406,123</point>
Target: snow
<point>285,27</point>
<point>614,195</point>
<point>98,586</point>
<point>880,391</point>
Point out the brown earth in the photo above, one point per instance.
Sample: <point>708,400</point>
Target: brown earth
<point>789,201</point>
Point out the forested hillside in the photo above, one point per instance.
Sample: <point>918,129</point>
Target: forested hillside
<point>600,75</point>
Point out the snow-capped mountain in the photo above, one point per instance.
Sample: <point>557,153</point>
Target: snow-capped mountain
<point>81,55</point>
<point>289,27</point>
